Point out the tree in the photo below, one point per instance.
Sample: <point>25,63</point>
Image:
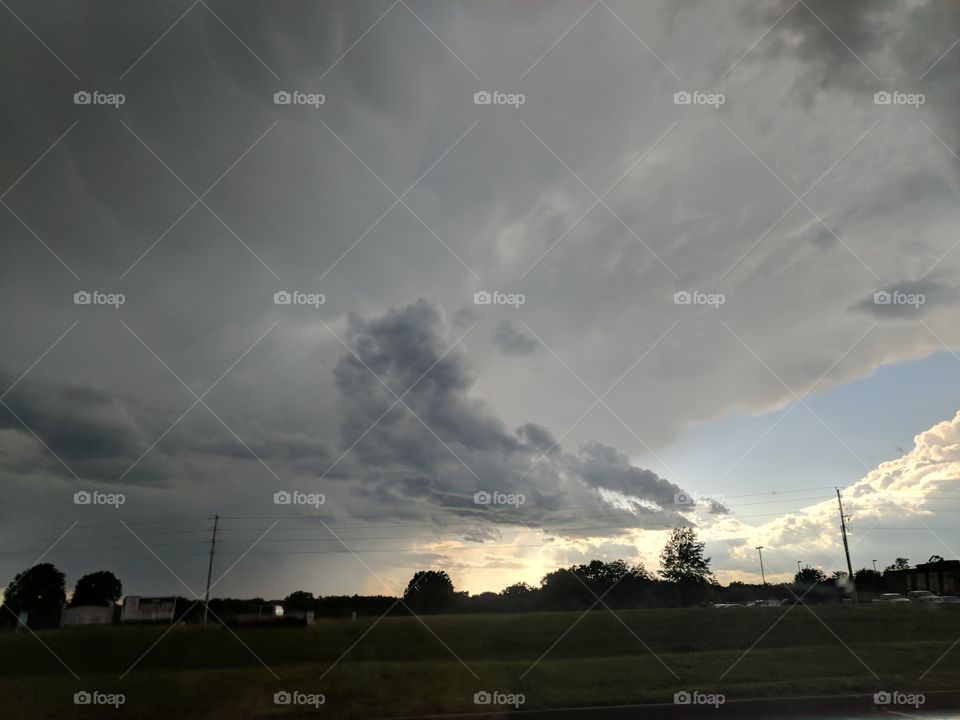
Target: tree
<point>40,592</point>
<point>810,576</point>
<point>429,591</point>
<point>98,588</point>
<point>517,597</point>
<point>299,600</point>
<point>517,590</point>
<point>682,559</point>
<point>935,559</point>
<point>898,564</point>
<point>867,579</point>
<point>564,589</point>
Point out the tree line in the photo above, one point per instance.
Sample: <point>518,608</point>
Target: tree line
<point>684,579</point>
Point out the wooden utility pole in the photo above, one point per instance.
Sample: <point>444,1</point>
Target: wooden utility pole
<point>213,546</point>
<point>846,547</point>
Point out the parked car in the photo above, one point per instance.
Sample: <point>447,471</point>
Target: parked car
<point>950,599</point>
<point>924,597</point>
<point>892,598</point>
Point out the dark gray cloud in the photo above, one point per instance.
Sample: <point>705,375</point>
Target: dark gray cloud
<point>841,44</point>
<point>606,467</point>
<point>907,300</point>
<point>440,445</point>
<point>513,339</point>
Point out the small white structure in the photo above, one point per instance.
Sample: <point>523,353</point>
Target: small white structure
<point>86,615</point>
<point>138,609</point>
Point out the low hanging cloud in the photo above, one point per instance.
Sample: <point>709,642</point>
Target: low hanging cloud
<point>420,440</point>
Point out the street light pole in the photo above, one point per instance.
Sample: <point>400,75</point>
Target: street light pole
<point>798,566</point>
<point>874,565</point>
<point>759,549</point>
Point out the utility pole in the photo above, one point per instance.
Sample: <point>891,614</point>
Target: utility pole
<point>846,547</point>
<point>759,549</point>
<point>874,565</point>
<point>798,566</point>
<point>213,545</point>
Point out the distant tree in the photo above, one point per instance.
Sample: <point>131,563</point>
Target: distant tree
<point>98,588</point>
<point>429,591</point>
<point>935,559</point>
<point>898,564</point>
<point>516,597</point>
<point>39,591</point>
<point>809,576</point>
<point>562,590</point>
<point>299,600</point>
<point>683,560</point>
<point>600,576</point>
<point>839,575</point>
<point>867,579</point>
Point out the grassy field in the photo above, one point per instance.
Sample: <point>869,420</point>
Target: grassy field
<point>401,668</point>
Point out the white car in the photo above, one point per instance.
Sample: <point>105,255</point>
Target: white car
<point>893,598</point>
<point>924,597</point>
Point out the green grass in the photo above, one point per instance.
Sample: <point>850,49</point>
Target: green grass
<point>400,668</point>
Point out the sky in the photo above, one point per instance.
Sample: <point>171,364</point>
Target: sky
<point>616,267</point>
